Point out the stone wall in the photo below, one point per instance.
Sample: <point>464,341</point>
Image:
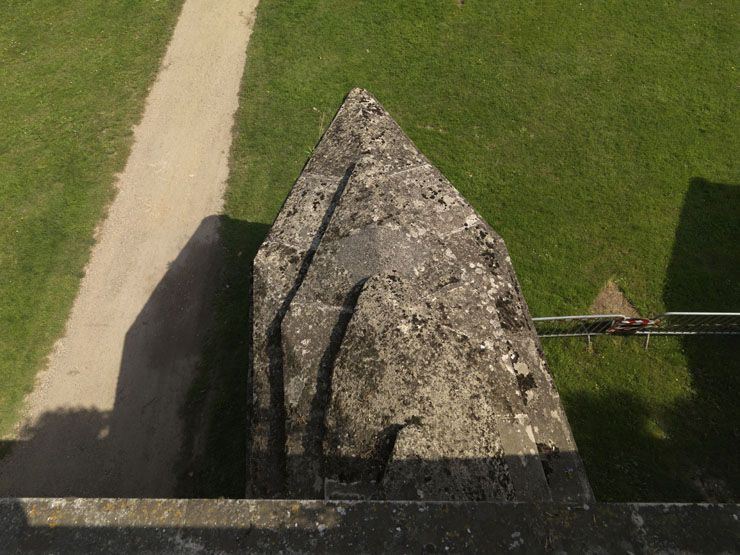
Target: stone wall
<point>288,526</point>
<point>394,356</point>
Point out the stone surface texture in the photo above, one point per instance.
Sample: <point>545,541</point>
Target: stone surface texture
<point>290,526</point>
<point>393,353</point>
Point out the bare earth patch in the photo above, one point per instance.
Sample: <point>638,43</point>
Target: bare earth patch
<point>104,418</point>
<point>611,300</point>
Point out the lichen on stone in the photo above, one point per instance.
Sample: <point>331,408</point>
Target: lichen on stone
<point>393,352</point>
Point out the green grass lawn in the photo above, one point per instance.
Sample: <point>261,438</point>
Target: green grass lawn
<point>73,79</point>
<point>599,139</point>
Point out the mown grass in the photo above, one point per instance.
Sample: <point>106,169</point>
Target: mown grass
<point>73,79</point>
<point>575,129</point>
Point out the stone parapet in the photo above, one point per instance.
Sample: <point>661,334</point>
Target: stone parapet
<point>394,356</point>
<point>289,526</point>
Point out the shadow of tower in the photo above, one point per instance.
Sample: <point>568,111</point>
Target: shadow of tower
<point>704,276</point>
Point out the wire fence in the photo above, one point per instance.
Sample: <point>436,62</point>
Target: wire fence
<point>668,323</point>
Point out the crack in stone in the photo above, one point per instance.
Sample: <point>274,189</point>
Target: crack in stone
<point>277,413</point>
<point>313,439</point>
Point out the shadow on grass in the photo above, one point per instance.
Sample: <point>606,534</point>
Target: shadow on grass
<point>218,405</point>
<point>123,452</point>
<point>704,276</point>
<point>611,427</point>
<point>686,451</point>
<point>697,461</point>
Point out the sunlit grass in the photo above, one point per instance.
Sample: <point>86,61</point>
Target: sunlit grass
<point>575,129</point>
<point>73,79</point>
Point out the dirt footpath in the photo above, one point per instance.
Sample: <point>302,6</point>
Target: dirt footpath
<point>104,417</point>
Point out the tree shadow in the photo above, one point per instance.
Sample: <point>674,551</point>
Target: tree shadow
<point>704,276</point>
<point>138,447</point>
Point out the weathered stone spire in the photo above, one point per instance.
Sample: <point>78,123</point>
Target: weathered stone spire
<point>393,353</point>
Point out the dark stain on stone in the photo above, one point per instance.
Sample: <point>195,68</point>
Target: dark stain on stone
<point>525,383</point>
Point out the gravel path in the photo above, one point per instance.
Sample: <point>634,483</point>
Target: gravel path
<point>103,419</point>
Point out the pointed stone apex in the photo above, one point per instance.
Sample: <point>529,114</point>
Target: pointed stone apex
<point>393,353</point>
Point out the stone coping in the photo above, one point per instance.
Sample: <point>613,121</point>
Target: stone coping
<point>248,525</point>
